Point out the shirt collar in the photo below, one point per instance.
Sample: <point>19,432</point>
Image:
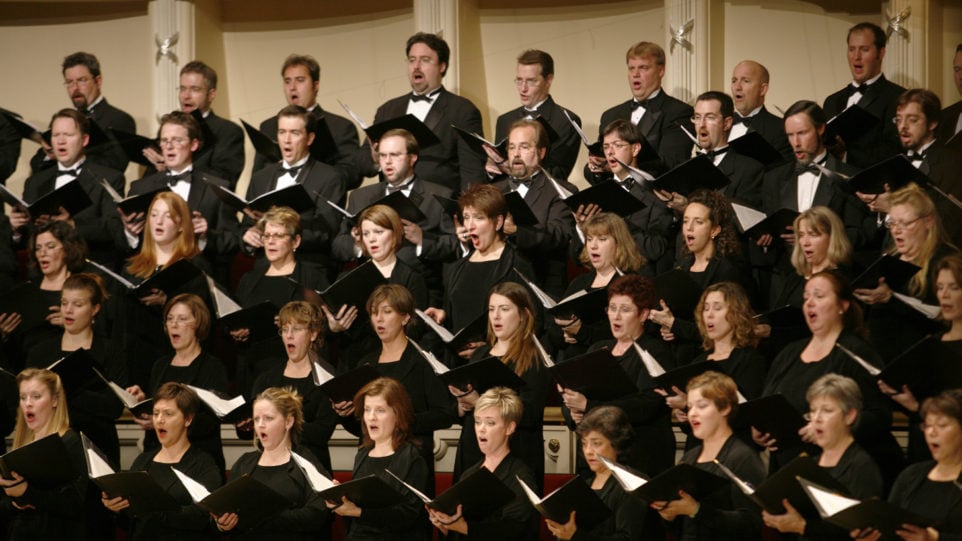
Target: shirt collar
<point>299,163</point>
<point>78,165</point>
<point>754,112</point>
<point>182,171</point>
<point>869,82</point>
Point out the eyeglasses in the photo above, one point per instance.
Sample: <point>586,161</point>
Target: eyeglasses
<point>173,141</point>
<point>288,329</point>
<point>910,119</point>
<point>621,309</point>
<point>180,320</point>
<point>530,83</point>
<point>616,146</point>
<point>80,81</point>
<point>391,155</point>
<point>710,118</point>
<point>892,225</point>
<point>274,236</point>
<point>191,89</point>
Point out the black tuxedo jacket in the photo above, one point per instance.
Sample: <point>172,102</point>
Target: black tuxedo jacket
<point>99,224</point>
<point>746,178</point>
<point>563,153</point>
<point>771,127</point>
<point>345,136</point>
<point>781,191</point>
<point>946,131</point>
<point>942,165</point>
<point>663,115</point>
<point>108,154</point>
<point>222,227</point>
<point>880,142</point>
<point>321,223</point>
<point>452,162</point>
<point>224,157</point>
<point>545,244</point>
<point>9,149</point>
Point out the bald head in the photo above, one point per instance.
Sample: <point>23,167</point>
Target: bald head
<point>749,86</point>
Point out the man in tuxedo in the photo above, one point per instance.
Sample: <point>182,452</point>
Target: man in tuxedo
<point>215,224</point>
<point>545,244</point>
<point>302,78</point>
<point>871,91</point>
<point>295,133</point>
<point>451,163</point>
<point>917,119</point>
<point>657,115</point>
<point>222,151</point>
<point>802,184</point>
<point>713,121</point>
<point>749,86</point>
<point>951,123</point>
<point>533,80</point>
<point>428,243</point>
<point>9,148</point>
<point>83,81</point>
<point>650,226</point>
<point>99,224</point>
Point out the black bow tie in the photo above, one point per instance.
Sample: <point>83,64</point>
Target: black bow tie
<point>810,167</point>
<point>533,113</point>
<point>392,189</point>
<point>292,171</point>
<point>852,89</point>
<point>516,183</point>
<point>75,172</point>
<point>746,120</point>
<point>627,183</point>
<point>174,179</point>
<point>423,97</point>
<point>916,157</point>
<point>638,103</point>
<point>716,152</point>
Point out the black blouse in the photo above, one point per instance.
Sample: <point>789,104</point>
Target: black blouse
<point>404,521</point>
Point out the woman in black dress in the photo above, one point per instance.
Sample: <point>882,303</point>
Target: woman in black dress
<point>175,407</point>
<point>302,335</point>
<point>835,319</point>
<point>392,312</point>
<point>511,340</point>
<point>629,300</point>
<point>387,415</point>
<point>278,420</point>
<point>606,432</point>
<point>35,512</point>
<point>834,404</point>
<point>279,282</point>
<point>609,251</point>
<point>496,416</point>
<point>726,514</point>
<point>187,322</point>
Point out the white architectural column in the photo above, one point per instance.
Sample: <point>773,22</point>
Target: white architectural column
<point>170,18</point>
<point>688,47</point>
<point>906,22</point>
<point>442,17</point>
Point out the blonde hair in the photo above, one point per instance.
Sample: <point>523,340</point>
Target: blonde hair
<point>289,404</point>
<point>823,221</point>
<point>915,198</point>
<point>59,423</point>
<point>627,257</point>
<point>386,217</point>
<point>305,313</point>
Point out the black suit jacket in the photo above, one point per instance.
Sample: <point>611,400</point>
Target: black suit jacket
<point>99,224</point>
<point>660,126</point>
<point>9,149</point>
<point>345,136</point>
<point>880,142</point>
<point>222,230</point>
<point>746,178</point>
<point>942,165</point>
<point>950,117</point>
<point>321,223</point>
<point>452,162</point>
<point>781,191</point>
<point>545,244</point>
<point>224,157</point>
<point>108,154</point>
<point>563,152</point>
<point>771,127</point>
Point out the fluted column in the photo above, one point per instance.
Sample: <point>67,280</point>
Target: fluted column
<point>170,18</point>
<point>442,17</point>
<point>694,43</point>
<point>912,25</point>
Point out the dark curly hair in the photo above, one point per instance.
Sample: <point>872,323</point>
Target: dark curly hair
<point>74,246</point>
<point>612,423</point>
<point>720,214</point>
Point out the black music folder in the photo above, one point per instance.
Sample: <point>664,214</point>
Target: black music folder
<point>252,500</point>
<point>852,514</point>
<point>850,124</point>
<point>293,196</point>
<point>475,331</point>
<point>477,141</point>
<point>353,288</point>
<point>401,204</point>
<point>135,203</point>
<point>754,223</point>
<point>520,211</point>
<point>137,487</point>
<point>773,415</point>
<point>482,375</point>
<point>425,137</point>
<point>263,144</point>
<point>589,306</point>
<point>71,196</point>
<point>369,491</point>
<point>228,410</point>
<point>479,494</point>
<point>25,299</point>
<point>679,291</point>
<point>679,377</point>
<point>343,387</point>
<point>596,374</point>
<point>695,174</point>
<point>895,271</point>
<point>784,485</point>
<point>608,195</point>
<point>753,145</point>
<point>575,495</point>
<point>44,462</point>
<point>169,278</point>
<point>928,367</point>
<point>896,171</point>
<point>133,145</point>
<point>693,480</point>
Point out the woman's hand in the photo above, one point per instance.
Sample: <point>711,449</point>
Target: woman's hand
<point>240,335</point>
<point>343,320</point>
<point>437,314</point>
<point>807,433</point>
<point>133,223</point>
<point>685,505</point>
<point>448,523</point>
<point>563,531</point>
<point>869,534</point>
<point>116,505</point>
<point>573,400</point>
<point>55,317</point>
<point>138,393</point>
<point>764,440</point>
<point>344,409</point>
<point>9,323</point>
<point>156,298</point>
<point>346,508</point>
<point>584,213</point>
<point>15,487</point>
<point>225,522</point>
<point>904,398</point>
<point>677,401</point>
<point>789,522</point>
<point>880,295</point>
<point>911,532</point>
<point>662,317</point>
<point>468,349</point>
<point>466,398</point>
